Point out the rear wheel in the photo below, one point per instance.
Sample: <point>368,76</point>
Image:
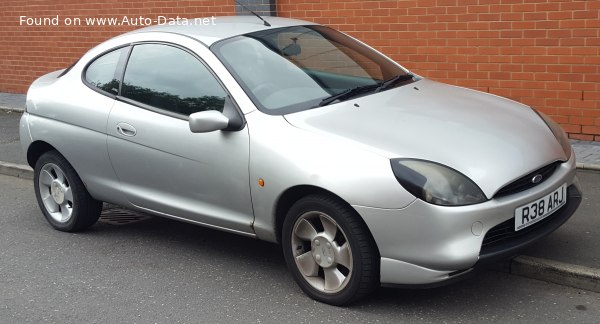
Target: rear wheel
<point>61,195</point>
<point>329,250</point>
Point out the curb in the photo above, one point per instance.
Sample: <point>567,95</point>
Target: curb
<point>16,170</point>
<point>12,109</point>
<point>588,166</point>
<point>565,274</point>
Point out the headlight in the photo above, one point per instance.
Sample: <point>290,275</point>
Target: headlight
<point>558,132</point>
<point>436,183</point>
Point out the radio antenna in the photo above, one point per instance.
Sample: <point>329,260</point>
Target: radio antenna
<point>254,13</point>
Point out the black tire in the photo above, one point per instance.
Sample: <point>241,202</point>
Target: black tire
<point>83,210</point>
<point>361,280</point>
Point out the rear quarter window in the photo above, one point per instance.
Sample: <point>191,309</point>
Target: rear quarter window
<point>104,72</point>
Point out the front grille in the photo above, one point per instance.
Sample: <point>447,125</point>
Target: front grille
<point>505,232</point>
<point>500,233</point>
<point>525,183</point>
<point>501,241</point>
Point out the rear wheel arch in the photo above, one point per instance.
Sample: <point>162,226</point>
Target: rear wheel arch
<point>61,195</point>
<point>36,149</point>
<point>39,148</point>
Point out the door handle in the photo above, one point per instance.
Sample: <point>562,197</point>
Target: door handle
<point>126,129</point>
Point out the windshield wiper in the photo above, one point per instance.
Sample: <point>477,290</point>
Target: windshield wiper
<point>349,93</point>
<point>398,78</point>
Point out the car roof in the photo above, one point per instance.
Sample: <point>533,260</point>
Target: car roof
<point>208,33</point>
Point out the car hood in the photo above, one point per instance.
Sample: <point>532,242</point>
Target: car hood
<point>492,140</point>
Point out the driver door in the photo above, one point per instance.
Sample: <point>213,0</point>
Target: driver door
<point>162,166</point>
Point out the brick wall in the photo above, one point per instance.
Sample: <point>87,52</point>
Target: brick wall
<point>545,53</point>
<point>28,52</point>
<point>261,7</point>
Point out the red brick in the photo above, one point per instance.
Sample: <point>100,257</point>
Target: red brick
<point>559,50</point>
<point>558,85</point>
<point>590,130</point>
<point>572,129</point>
<point>587,121</point>
<point>456,10</point>
<point>589,14</point>
<point>547,42</point>
<point>525,7</point>
<point>586,32</point>
<point>559,15</point>
<point>447,3</point>
<point>591,95</point>
<point>535,16</point>
<point>512,16</point>
<point>580,105</point>
<point>572,5</point>
<point>583,137</point>
<point>571,24</point>
<point>592,41</point>
<point>547,24</point>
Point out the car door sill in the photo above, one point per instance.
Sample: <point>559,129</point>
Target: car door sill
<point>191,221</point>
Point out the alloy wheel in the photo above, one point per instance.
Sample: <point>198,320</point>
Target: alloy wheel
<point>322,252</point>
<point>56,193</point>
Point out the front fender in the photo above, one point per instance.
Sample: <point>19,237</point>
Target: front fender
<point>298,157</point>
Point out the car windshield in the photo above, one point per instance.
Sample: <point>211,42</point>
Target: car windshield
<point>291,69</point>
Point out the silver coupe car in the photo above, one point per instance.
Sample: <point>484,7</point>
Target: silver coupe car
<point>292,132</point>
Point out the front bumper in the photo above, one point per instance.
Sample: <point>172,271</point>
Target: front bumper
<point>424,244</point>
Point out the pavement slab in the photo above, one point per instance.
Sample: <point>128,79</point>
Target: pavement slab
<point>10,148</point>
<point>587,152</point>
<point>14,101</point>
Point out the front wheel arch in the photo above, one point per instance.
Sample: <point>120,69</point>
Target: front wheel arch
<point>289,197</point>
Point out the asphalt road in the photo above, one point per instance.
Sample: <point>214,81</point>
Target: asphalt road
<point>161,271</point>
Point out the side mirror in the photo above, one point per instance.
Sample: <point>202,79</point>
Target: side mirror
<point>207,121</point>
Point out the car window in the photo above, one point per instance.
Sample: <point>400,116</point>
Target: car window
<point>172,79</point>
<point>326,55</point>
<point>103,74</point>
<point>290,69</point>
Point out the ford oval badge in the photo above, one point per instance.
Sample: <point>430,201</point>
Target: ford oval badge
<point>537,178</point>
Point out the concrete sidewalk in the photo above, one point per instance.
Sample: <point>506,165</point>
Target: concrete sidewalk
<point>569,256</point>
<point>12,101</point>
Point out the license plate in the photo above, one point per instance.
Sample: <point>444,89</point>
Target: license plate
<point>535,211</point>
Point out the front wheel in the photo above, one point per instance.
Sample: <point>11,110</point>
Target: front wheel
<point>61,195</point>
<point>329,250</point>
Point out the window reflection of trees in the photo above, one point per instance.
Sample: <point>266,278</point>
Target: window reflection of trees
<point>171,102</point>
<point>111,87</point>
